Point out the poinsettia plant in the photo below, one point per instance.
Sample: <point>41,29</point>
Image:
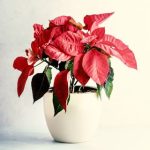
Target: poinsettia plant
<point>79,52</point>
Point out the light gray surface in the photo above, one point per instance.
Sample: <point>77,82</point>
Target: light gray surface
<point>107,139</point>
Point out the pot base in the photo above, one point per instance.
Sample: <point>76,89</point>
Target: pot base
<point>79,123</point>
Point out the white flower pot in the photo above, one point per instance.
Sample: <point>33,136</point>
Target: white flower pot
<point>79,123</point>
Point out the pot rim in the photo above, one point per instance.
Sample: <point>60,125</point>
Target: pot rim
<point>77,93</point>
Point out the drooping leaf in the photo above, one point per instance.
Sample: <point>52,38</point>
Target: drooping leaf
<point>113,42</point>
<point>90,19</point>
<point>20,63</point>
<point>108,88</point>
<point>69,43</point>
<point>111,75</point>
<point>99,88</point>
<point>48,72</point>
<point>55,53</point>
<point>56,104</point>
<point>118,49</point>
<point>23,78</point>
<point>78,70</point>
<point>40,85</point>
<point>95,64</point>
<point>109,83</point>
<point>61,88</point>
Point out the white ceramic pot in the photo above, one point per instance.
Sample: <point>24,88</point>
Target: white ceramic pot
<point>79,123</point>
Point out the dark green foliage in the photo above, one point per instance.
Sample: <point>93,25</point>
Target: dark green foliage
<point>69,66</point>
<point>56,104</point>
<point>40,85</point>
<point>62,66</point>
<point>48,72</point>
<point>99,88</point>
<point>108,86</point>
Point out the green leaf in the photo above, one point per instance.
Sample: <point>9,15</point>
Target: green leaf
<point>69,65</point>
<point>109,83</point>
<point>57,107</point>
<point>48,72</point>
<point>108,88</point>
<point>40,85</point>
<point>99,88</point>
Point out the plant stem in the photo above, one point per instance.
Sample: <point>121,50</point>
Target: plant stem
<point>38,64</point>
<point>49,63</point>
<point>101,50</point>
<point>75,82</point>
<point>72,83</point>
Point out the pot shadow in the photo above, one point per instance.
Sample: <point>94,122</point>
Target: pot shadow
<point>29,138</point>
<point>33,138</point>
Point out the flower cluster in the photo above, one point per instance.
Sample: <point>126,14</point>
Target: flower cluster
<point>79,52</point>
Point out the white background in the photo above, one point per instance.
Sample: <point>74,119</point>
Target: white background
<point>129,106</point>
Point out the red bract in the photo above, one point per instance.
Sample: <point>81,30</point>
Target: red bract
<point>40,40</point>
<point>68,46</point>
<point>96,65</point>
<point>38,31</point>
<point>117,48</point>
<point>65,23</point>
<point>44,38</point>
<point>96,19</point>
<point>55,53</point>
<point>21,64</point>
<point>94,36</point>
<point>23,78</point>
<point>32,58</point>
<point>62,94</point>
<point>59,21</point>
<point>69,43</point>
<point>78,70</point>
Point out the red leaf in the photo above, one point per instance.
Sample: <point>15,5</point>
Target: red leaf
<point>112,41</point>
<point>36,48</point>
<point>70,27</point>
<point>127,57</point>
<point>55,32</point>
<point>118,49</point>
<point>99,32</point>
<point>20,63</point>
<point>94,26</point>
<point>32,58</point>
<point>38,30</point>
<point>23,78</point>
<point>70,43</point>
<point>61,20</point>
<point>90,19</point>
<point>78,71</point>
<point>88,39</point>
<point>56,54</point>
<point>61,88</point>
<point>95,64</point>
